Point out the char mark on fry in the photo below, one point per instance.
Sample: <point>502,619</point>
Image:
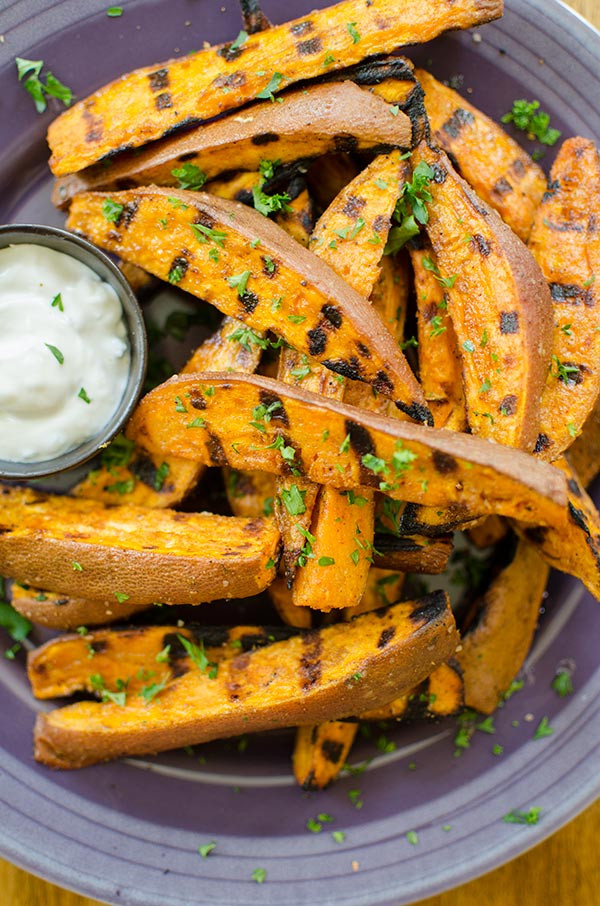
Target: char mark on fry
<point>459,118</point>
<point>310,661</point>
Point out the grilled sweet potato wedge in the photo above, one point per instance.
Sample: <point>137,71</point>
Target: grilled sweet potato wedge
<point>58,611</point>
<point>440,362</point>
<point>157,100</point>
<point>493,651</point>
<point>565,241</point>
<point>572,542</point>
<point>440,695</point>
<point>207,250</point>
<point>250,494</point>
<point>413,553</point>
<point>307,678</point>
<point>305,433</point>
<point>495,165</point>
<point>318,120</point>
<point>141,555</point>
<point>499,304</point>
<point>320,752</point>
<point>584,455</point>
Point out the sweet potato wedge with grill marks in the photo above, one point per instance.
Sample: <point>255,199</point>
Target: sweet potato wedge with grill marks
<point>565,242</point>
<point>311,122</point>
<point>320,752</point>
<point>276,285</point>
<point>79,547</point>
<point>572,542</point>
<point>305,679</point>
<point>500,307</point>
<point>493,651</point>
<point>440,362</point>
<point>413,553</point>
<point>495,165</point>
<point>584,455</point>
<point>433,522</point>
<point>250,494</point>
<point>155,101</point>
<point>305,432</point>
<point>440,695</point>
<point>59,611</point>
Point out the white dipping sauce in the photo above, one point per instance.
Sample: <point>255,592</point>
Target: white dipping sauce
<point>43,408</point>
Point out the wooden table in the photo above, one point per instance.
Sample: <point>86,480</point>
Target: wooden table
<point>563,869</point>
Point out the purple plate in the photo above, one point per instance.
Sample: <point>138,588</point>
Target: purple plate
<point>128,833</point>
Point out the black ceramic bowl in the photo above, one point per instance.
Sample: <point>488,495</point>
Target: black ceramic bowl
<point>62,241</point>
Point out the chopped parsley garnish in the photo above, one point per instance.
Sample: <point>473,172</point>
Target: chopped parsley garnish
<point>56,353</point>
<point>293,500</point>
<point>345,444</point>
<point>207,848</point>
<point>354,34</point>
<point>83,396</point>
<point>16,625</point>
<point>355,797</point>
<point>117,698</point>
<point>163,655</point>
<point>446,282</point>
<point>161,475</point>
<point>411,208</point>
<point>111,210</point>
<point>121,597</point>
<point>274,83</point>
<point>113,12</point>
<point>338,836</point>
<point>527,116</point>
<point>118,453</point>
<point>176,274</point>
<point>267,168</point>
<point>189,176</point>
<point>326,561</point>
<point>543,729</point>
<point>469,346</point>
<point>29,73</point>
<point>240,281</point>
<point>357,228</point>
<point>149,692</point>
<point>246,337</point>
<point>197,423</point>
<point>412,837</point>
<point>180,405</point>
<point>205,234</point>
<point>177,203</point>
<point>297,319</point>
<point>437,327</point>
<point>532,816</point>
<point>57,302</point>
<point>562,683</point>
<point>198,656</point>
<point>269,204</point>
<point>563,370</point>
<point>259,875</point>
<point>239,41</point>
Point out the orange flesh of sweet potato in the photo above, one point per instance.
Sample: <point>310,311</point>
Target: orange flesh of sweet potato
<point>306,434</point>
<point>80,547</point>
<point>299,221</point>
<point>250,494</point>
<point>151,102</point>
<point>60,611</point>
<point>584,454</point>
<point>572,542</point>
<point>493,651</point>
<point>440,362</point>
<point>309,123</point>
<point>277,285</point>
<point>440,695</point>
<point>320,752</point>
<point>565,241</point>
<point>500,307</point>
<point>488,532</point>
<point>501,173</point>
<point>307,678</point>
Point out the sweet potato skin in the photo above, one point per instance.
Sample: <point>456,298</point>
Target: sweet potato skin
<point>291,293</point>
<point>79,547</point>
<point>486,477</point>
<point>59,611</point>
<point>565,241</point>
<point>493,651</point>
<point>495,165</point>
<point>311,122</point>
<point>148,103</point>
<point>393,650</point>
<point>500,307</point>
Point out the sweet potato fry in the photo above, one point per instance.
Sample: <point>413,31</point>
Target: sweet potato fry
<point>499,304</point>
<point>58,611</point>
<point>495,165</point>
<point>311,122</point>
<point>136,554</point>
<point>493,651</point>
<point>305,433</point>
<point>309,677</point>
<point>565,241</point>
<point>276,285</point>
<point>155,101</point>
<point>440,695</point>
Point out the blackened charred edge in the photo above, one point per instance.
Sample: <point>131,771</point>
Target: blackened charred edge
<point>553,187</point>
<point>145,471</point>
<point>392,544</point>
<point>270,267</point>
<point>414,108</point>
<point>374,72</point>
<point>254,19</point>
<point>383,384</point>
<point>386,636</point>
<point>412,524</point>
<point>332,751</point>
<point>265,138</point>
<point>574,487</point>
<point>417,411</point>
<point>502,187</point>
<point>163,101</point>
<point>429,608</point>
<point>310,660</point>
<point>217,453</point>
<point>244,196</point>
<point>233,80</point>
<point>481,245</point>
<point>210,637</point>
<point>159,80</point>
<point>301,28</point>
<point>364,351</point>
<point>128,213</point>
<point>249,300</point>
<point>346,142</point>
<point>267,636</point>
<point>230,53</point>
<point>509,322</point>
<point>440,174</point>
<point>197,399</point>
<point>278,414</point>
<point>572,377</point>
<point>508,406</point>
<point>443,462</point>
<point>578,517</point>
<point>571,293</point>
<point>308,784</point>
<point>333,315</point>
<point>457,121</point>
<point>203,218</point>
<point>542,443</point>
<point>349,369</point>
<point>307,48</point>
<point>360,439</point>
<point>100,645</point>
<point>179,263</point>
<point>317,341</point>
<point>518,168</point>
<point>536,534</point>
<point>381,223</point>
<point>354,205</point>
<point>94,124</point>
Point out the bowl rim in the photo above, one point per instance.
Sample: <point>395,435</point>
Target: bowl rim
<point>64,241</point>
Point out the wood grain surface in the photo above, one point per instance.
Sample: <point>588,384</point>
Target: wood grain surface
<point>563,869</point>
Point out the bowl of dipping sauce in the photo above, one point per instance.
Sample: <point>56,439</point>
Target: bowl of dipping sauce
<point>72,351</point>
